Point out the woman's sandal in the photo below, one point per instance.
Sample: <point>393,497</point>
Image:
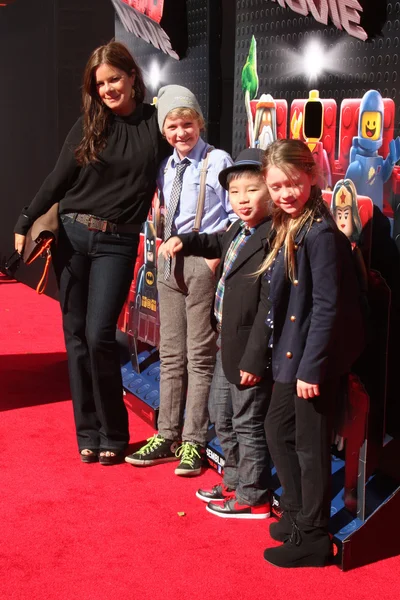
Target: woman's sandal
<point>90,456</point>
<point>114,457</point>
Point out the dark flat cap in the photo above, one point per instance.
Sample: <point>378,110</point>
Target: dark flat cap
<point>250,158</point>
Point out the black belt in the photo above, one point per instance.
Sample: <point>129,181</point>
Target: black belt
<point>96,224</point>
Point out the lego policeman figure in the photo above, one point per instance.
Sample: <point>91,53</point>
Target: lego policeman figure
<point>367,169</point>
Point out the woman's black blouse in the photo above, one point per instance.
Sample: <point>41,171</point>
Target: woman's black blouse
<point>118,188</point>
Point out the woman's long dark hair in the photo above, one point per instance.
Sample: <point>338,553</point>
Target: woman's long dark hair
<point>96,115</point>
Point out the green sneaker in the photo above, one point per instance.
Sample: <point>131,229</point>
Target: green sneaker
<point>157,450</point>
<point>191,459</point>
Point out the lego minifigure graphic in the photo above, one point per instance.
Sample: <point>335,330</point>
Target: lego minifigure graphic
<point>367,169</point>
<point>353,409</point>
<point>265,130</point>
<point>146,295</point>
<point>345,210</point>
<point>144,313</point>
<point>313,129</point>
<point>144,318</point>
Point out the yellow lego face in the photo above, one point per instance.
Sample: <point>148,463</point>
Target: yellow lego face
<point>371,125</point>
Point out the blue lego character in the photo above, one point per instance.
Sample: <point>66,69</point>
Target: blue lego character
<point>367,169</point>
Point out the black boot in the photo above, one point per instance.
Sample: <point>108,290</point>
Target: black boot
<point>306,547</point>
<point>282,529</point>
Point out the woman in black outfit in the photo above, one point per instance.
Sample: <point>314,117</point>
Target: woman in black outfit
<point>104,181</point>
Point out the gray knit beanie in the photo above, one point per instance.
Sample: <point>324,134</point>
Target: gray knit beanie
<point>174,96</point>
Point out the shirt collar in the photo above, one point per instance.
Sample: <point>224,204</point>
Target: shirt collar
<point>246,229</point>
<point>252,229</point>
<point>194,156</point>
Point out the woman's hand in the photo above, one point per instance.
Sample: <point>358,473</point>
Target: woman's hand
<point>307,390</point>
<point>248,378</point>
<point>171,247</point>
<point>19,242</point>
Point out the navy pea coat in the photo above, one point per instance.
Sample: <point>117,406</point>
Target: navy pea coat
<point>318,329</point>
<point>244,333</point>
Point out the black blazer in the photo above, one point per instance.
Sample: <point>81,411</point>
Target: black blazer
<point>318,329</point>
<point>244,334</point>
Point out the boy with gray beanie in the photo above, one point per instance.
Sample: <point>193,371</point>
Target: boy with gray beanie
<point>186,285</point>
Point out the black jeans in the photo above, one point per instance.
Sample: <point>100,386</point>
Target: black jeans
<point>94,272</point>
<point>299,437</point>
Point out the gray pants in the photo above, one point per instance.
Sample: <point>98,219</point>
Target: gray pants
<point>239,413</point>
<point>187,348</point>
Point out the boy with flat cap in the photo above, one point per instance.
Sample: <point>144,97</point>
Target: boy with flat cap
<point>242,383</point>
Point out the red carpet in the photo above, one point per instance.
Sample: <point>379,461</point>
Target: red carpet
<point>71,531</point>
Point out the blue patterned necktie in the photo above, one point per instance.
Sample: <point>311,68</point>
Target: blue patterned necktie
<point>172,206</point>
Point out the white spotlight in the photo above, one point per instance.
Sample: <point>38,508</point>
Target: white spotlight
<point>314,60</point>
<point>154,76</point>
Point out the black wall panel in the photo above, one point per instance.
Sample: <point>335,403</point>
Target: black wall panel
<point>28,115</point>
<point>43,49</point>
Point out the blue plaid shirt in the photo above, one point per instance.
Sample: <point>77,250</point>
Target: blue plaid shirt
<point>236,245</point>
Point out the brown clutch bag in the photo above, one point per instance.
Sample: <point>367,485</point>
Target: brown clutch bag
<point>40,239</point>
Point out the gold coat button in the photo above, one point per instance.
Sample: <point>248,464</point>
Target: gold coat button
<point>295,246</point>
<point>319,220</point>
<point>293,318</point>
<point>296,282</point>
<point>289,355</point>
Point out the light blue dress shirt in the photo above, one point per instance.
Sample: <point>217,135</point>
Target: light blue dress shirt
<point>217,213</point>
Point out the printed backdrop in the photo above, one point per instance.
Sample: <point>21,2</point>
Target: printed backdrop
<point>295,53</point>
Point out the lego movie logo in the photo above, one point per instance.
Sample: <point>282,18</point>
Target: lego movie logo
<point>344,14</point>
